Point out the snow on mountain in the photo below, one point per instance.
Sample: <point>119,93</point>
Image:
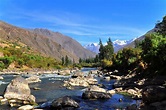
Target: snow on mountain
<point>118,44</point>
<point>94,47</point>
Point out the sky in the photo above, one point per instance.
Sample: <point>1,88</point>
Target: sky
<point>86,21</point>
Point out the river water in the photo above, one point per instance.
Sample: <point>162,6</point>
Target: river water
<point>52,88</point>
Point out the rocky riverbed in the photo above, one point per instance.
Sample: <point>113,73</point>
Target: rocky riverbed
<point>83,91</point>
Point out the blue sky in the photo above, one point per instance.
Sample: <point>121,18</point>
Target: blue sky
<point>86,20</point>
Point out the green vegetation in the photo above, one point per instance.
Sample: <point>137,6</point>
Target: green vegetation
<point>22,56</point>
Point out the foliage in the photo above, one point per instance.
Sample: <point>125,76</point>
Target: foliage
<point>106,63</point>
<point>126,57</point>
<point>24,56</point>
<point>154,52</point>
<point>106,52</point>
<point>66,61</point>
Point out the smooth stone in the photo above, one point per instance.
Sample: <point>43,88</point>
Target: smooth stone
<point>36,88</point>
<point>12,101</point>
<point>111,92</point>
<point>26,107</point>
<point>4,101</point>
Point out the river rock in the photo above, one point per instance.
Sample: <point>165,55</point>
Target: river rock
<point>115,77</point>
<point>19,90</point>
<point>33,79</point>
<point>111,92</point>
<point>65,72</point>
<point>3,101</point>
<point>78,74</point>
<point>64,103</point>
<point>95,95</point>
<point>1,77</point>
<point>76,82</point>
<point>96,88</point>
<point>84,82</point>
<point>25,107</point>
<point>153,94</point>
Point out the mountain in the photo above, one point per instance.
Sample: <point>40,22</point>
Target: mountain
<point>94,47</point>
<point>118,44</point>
<point>132,43</point>
<point>66,43</point>
<point>48,43</point>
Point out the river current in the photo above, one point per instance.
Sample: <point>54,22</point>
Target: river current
<point>51,87</point>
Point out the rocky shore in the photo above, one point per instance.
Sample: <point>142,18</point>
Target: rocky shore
<point>150,90</point>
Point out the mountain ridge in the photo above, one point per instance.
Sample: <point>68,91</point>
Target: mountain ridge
<point>41,43</point>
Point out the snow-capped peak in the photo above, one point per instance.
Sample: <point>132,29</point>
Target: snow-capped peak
<point>117,44</point>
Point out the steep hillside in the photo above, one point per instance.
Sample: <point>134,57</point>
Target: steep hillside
<point>46,45</point>
<point>66,42</point>
<point>132,44</point>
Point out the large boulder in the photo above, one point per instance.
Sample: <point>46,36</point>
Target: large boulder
<point>153,94</point>
<point>64,103</point>
<point>95,95</point>
<point>19,91</point>
<point>33,79</point>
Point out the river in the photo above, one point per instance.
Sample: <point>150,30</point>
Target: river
<point>52,88</point>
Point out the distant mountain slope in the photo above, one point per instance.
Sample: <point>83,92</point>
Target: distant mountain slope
<point>118,44</point>
<point>41,43</point>
<point>94,47</point>
<point>66,43</point>
<point>132,44</point>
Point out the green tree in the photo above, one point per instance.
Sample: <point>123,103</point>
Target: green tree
<point>63,61</point>
<point>101,50</point>
<point>109,50</point>
<point>67,60</point>
<point>80,60</point>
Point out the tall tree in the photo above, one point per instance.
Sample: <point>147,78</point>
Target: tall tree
<point>63,61</point>
<point>101,50</point>
<point>67,60</point>
<point>109,50</point>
